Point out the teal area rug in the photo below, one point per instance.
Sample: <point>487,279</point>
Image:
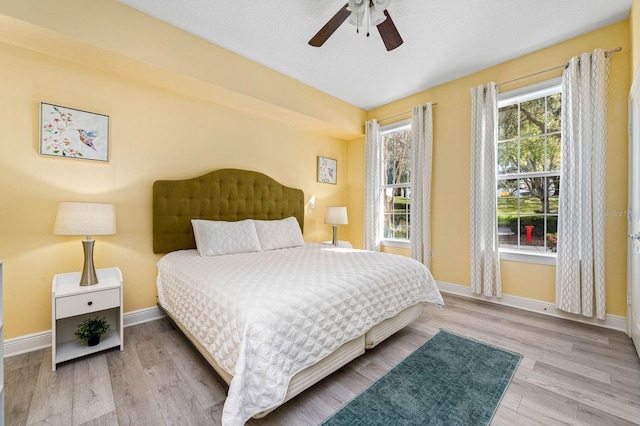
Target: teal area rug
<point>450,380</point>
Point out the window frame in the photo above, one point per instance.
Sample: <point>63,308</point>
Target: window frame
<point>516,96</point>
<point>385,130</point>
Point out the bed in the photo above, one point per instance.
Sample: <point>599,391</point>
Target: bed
<point>275,316</point>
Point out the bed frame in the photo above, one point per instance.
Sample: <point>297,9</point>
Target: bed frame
<point>232,195</point>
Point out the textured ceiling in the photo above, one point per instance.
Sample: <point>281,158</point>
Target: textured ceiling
<point>443,39</point>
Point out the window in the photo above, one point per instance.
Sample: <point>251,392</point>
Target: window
<point>528,175</point>
<point>395,174</point>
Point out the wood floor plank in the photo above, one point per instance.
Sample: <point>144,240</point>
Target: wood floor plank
<point>28,359</point>
<point>579,393</point>
<point>20,378</point>
<point>135,404</point>
<point>197,374</point>
<point>540,396</point>
<point>53,394</point>
<point>526,318</point>
<point>609,355</point>
<point>177,404</point>
<point>92,395</point>
<point>531,337</point>
<point>628,383</point>
<point>108,419</point>
<point>507,417</point>
<point>146,331</point>
<point>592,416</point>
<point>151,352</point>
<point>548,408</point>
<point>546,417</point>
<point>511,400</point>
<point>625,395</point>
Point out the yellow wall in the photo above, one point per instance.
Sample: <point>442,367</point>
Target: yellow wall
<point>172,126</point>
<point>180,107</point>
<point>452,165</point>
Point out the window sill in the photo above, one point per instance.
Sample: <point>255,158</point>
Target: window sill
<point>520,256</point>
<point>395,243</point>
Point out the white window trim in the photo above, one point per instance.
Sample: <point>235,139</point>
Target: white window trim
<point>527,257</point>
<point>511,97</point>
<point>405,244</point>
<point>527,93</point>
<point>391,242</point>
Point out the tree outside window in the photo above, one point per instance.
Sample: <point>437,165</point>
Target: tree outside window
<point>528,174</point>
<point>396,183</point>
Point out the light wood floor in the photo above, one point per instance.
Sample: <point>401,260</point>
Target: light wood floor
<point>570,374</point>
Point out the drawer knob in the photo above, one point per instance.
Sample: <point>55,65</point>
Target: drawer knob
<point>90,303</point>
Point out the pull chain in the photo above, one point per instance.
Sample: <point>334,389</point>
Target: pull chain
<point>367,12</point>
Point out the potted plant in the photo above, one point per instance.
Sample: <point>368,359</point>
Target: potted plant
<point>91,329</point>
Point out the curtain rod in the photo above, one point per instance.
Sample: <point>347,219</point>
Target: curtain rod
<point>607,53</point>
<point>402,113</point>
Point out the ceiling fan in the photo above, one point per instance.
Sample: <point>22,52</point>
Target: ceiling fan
<point>362,13</point>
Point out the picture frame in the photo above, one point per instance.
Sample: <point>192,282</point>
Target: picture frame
<point>327,170</point>
<point>73,133</point>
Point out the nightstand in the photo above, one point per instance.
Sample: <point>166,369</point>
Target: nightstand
<point>71,304</point>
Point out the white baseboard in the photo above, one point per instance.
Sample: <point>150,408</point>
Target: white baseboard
<point>614,322</point>
<point>142,315</point>
<point>36,341</point>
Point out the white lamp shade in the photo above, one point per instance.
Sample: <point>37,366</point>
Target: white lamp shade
<point>336,216</point>
<point>85,219</point>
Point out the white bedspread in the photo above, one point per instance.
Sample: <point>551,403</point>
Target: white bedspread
<point>265,316</point>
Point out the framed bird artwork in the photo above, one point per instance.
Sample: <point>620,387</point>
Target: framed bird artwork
<point>73,133</point>
<point>327,170</point>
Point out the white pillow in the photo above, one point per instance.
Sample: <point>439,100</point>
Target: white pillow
<point>277,234</point>
<point>214,238</point>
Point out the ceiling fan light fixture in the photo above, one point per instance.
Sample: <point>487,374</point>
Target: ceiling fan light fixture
<point>365,13</point>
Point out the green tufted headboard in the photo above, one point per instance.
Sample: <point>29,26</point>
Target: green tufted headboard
<point>226,194</point>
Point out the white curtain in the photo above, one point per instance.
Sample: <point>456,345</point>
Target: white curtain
<point>485,259</point>
<point>580,286</point>
<point>372,186</point>
<point>421,171</point>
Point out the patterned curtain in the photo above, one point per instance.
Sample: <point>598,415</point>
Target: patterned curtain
<point>485,260</point>
<point>421,159</point>
<point>372,186</point>
<point>580,286</point>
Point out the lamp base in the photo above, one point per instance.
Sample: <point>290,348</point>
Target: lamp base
<point>334,241</point>
<point>89,276</point>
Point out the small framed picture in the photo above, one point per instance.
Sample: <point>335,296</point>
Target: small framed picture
<point>73,133</point>
<point>327,170</point>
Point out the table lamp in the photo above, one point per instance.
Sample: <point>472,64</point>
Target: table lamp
<point>335,216</point>
<point>86,219</point>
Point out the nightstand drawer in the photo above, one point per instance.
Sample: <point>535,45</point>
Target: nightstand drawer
<point>79,304</point>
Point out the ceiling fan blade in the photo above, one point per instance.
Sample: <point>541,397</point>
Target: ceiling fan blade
<point>389,33</point>
<point>330,27</point>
